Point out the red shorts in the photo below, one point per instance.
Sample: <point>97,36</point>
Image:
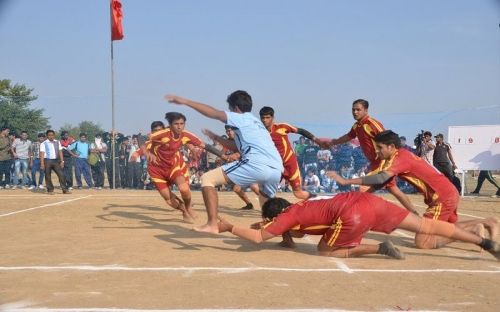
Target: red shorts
<point>368,213</point>
<point>164,177</point>
<point>292,173</point>
<point>444,209</point>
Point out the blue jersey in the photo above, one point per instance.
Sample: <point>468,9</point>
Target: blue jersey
<point>253,140</point>
<point>81,149</point>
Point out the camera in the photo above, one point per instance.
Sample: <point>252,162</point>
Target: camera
<point>419,139</point>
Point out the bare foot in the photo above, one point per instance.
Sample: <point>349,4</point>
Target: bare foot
<point>492,225</point>
<point>187,217</point>
<point>207,229</point>
<point>193,214</point>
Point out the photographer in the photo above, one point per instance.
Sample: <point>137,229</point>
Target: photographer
<point>425,146</point>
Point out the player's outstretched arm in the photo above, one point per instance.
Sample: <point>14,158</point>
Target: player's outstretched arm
<point>203,109</point>
<point>256,236</point>
<point>229,144</point>
<point>329,143</point>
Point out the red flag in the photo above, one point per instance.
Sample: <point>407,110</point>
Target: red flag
<point>116,20</point>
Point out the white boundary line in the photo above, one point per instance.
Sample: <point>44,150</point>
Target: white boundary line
<point>91,268</point>
<point>7,308</point>
<point>43,206</point>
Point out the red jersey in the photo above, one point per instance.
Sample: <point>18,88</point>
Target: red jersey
<point>427,179</point>
<point>279,134</point>
<point>167,148</point>
<point>366,129</point>
<point>342,220</point>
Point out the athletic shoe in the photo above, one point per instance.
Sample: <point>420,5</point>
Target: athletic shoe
<point>41,187</point>
<point>51,193</point>
<point>66,192</point>
<point>247,207</point>
<point>387,248</point>
<point>495,250</point>
<point>70,188</point>
<point>31,187</point>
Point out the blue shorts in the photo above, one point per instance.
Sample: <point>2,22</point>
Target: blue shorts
<point>244,174</point>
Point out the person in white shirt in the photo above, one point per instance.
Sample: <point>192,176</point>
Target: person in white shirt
<point>99,148</point>
<point>22,155</point>
<point>51,158</point>
<point>311,181</point>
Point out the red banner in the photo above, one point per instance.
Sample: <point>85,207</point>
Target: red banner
<point>116,20</point>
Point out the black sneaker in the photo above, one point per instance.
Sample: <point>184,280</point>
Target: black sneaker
<point>66,192</point>
<point>387,248</point>
<point>247,207</point>
<point>495,250</point>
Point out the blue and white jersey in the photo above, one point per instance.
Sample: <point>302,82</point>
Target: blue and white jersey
<point>253,140</point>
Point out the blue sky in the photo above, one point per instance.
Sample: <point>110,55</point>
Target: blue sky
<point>420,64</point>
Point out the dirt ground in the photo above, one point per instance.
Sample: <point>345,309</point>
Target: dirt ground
<point>123,249</point>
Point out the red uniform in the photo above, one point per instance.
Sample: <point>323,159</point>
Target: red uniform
<point>279,134</point>
<point>439,194</point>
<point>170,161</point>
<point>366,129</point>
<point>342,220</point>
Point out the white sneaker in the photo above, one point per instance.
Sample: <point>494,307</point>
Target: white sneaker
<point>41,187</point>
<point>70,188</point>
<point>31,187</point>
<point>7,186</point>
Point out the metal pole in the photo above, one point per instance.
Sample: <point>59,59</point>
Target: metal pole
<point>112,103</point>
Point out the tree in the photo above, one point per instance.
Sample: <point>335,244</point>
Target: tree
<point>88,127</point>
<point>15,111</point>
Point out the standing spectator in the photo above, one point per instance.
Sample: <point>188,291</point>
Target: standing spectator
<point>68,156</point>
<point>134,169</point>
<point>442,157</point>
<point>311,156</point>
<point>486,175</point>
<point>212,159</point>
<point>6,154</point>
<point>406,146</point>
<point>299,151</point>
<point>51,158</point>
<point>82,148</point>
<point>22,155</point>
<point>426,148</point>
<point>35,163</point>
<point>123,156</point>
<point>12,169</point>
<point>311,181</point>
<point>99,148</point>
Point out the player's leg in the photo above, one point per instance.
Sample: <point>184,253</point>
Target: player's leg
<point>292,175</point>
<point>183,186</point>
<point>243,196</point>
<point>209,181</point>
<point>429,227</point>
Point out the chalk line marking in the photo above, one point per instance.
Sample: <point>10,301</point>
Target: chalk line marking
<point>229,270</point>
<point>342,266</point>
<point>43,206</point>
<point>179,310</point>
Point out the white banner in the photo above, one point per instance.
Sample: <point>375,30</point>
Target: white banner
<point>475,147</point>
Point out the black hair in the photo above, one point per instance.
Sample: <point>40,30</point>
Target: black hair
<point>64,132</point>
<point>274,207</point>
<point>173,116</point>
<point>24,131</point>
<point>227,127</point>
<point>311,170</point>
<point>240,99</point>
<point>427,133</point>
<point>83,134</point>
<point>388,137</point>
<point>49,131</point>
<point>41,135</point>
<point>266,110</point>
<point>5,128</point>
<point>156,124</point>
<point>362,102</point>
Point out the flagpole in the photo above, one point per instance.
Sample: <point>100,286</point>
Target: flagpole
<point>112,105</point>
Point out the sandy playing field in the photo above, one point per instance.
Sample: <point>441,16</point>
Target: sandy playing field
<point>97,250</point>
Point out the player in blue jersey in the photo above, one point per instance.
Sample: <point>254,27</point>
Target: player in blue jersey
<point>260,161</point>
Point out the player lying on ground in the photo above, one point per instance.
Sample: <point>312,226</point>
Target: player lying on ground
<point>260,162</point>
<point>166,164</point>
<point>439,194</point>
<point>279,133</point>
<point>343,221</point>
